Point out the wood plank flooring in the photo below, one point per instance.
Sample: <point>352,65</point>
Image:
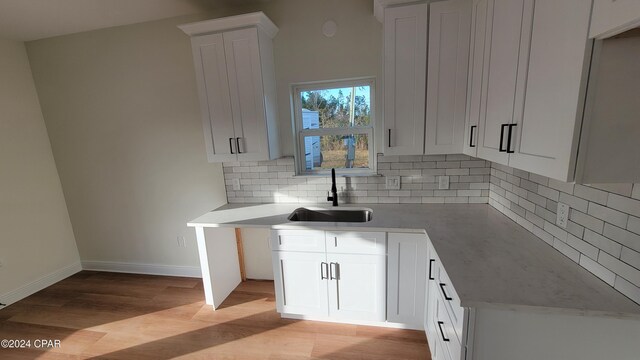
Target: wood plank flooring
<point>99,315</point>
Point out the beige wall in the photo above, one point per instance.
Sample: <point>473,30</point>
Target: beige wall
<point>122,112</point>
<point>37,239</point>
<point>121,109</point>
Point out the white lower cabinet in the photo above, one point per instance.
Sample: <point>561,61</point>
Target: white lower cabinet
<point>523,333</point>
<point>357,287</point>
<point>406,274</point>
<point>315,283</point>
<point>300,281</point>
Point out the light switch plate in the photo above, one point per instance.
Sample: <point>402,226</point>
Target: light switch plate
<point>562,215</point>
<point>392,182</point>
<point>443,183</point>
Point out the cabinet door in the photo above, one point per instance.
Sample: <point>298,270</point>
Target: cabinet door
<point>357,287</point>
<point>504,32</point>
<point>611,17</point>
<point>548,119</point>
<point>478,57</point>
<point>449,31</point>
<point>300,283</point>
<point>405,64</point>
<point>215,102</point>
<point>247,94</point>
<point>406,278</point>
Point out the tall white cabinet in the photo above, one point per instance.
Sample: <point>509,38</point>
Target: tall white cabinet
<point>405,59</point>
<point>449,31</point>
<point>233,60</point>
<point>528,74</point>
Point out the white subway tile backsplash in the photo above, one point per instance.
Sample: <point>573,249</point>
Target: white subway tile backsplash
<point>628,272</point>
<point>598,270</point>
<point>627,288</point>
<point>624,204</point>
<point>275,181</point>
<point>602,243</point>
<point>587,221</point>
<point>634,224</point>
<point>608,215</point>
<point>622,236</point>
<point>591,194</point>
<point>603,231</point>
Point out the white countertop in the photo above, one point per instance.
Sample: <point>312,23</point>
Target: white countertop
<point>491,260</point>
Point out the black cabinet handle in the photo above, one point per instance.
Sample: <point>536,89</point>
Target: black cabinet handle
<point>231,145</point>
<point>323,271</point>
<point>238,145</point>
<point>389,137</point>
<point>502,137</point>
<point>333,276</point>
<point>431,261</point>
<point>509,151</point>
<point>440,323</point>
<point>471,136</point>
<point>446,297</point>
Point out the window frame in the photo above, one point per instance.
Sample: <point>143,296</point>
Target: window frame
<point>299,133</point>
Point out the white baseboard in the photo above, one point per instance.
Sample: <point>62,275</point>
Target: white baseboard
<point>39,284</point>
<point>354,322</point>
<point>149,269</point>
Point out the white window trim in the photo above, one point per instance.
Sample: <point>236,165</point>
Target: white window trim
<point>299,133</point>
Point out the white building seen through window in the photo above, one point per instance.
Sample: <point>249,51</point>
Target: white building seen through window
<point>334,126</point>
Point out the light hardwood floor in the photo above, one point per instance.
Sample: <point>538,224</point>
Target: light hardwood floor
<point>99,315</point>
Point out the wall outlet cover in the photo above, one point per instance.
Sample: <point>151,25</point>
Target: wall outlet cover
<point>443,183</point>
<point>562,215</point>
<point>392,182</point>
<point>236,184</point>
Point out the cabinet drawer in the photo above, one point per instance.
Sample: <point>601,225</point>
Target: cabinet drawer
<point>298,240</point>
<point>447,293</point>
<point>348,242</point>
<point>445,332</point>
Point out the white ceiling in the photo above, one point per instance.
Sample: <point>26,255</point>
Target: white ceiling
<point>27,20</point>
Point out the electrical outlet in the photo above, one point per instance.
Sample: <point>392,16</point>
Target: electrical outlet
<point>443,183</point>
<point>182,242</point>
<point>392,182</point>
<point>562,215</point>
<point>236,184</point>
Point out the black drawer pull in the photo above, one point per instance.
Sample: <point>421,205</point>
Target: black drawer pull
<point>502,137</point>
<point>431,261</point>
<point>389,137</point>
<point>509,151</point>
<point>446,297</point>
<point>440,323</point>
<point>471,136</point>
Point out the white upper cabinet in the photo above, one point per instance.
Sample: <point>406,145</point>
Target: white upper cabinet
<point>612,17</point>
<point>477,58</point>
<point>502,41</point>
<point>528,74</point>
<point>233,59</point>
<point>449,30</point>
<point>547,121</point>
<point>405,59</point>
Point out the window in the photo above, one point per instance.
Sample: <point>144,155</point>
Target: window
<point>334,126</point>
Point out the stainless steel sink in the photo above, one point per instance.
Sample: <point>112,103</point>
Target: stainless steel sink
<point>331,215</point>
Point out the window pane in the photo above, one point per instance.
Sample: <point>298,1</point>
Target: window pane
<point>336,151</point>
<point>336,108</point>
